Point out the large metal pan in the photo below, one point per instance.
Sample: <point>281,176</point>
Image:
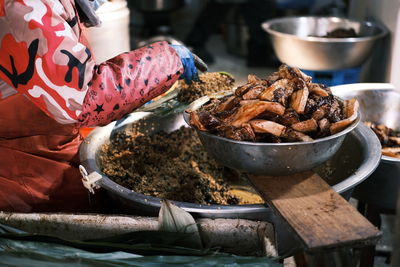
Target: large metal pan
<point>352,164</point>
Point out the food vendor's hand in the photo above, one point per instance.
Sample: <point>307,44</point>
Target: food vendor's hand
<point>190,63</point>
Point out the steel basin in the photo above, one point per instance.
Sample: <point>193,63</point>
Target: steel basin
<point>271,158</point>
<point>379,103</point>
<point>293,45</point>
<point>353,163</point>
<point>355,160</point>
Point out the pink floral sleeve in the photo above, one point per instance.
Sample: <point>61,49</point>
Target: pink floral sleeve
<point>127,81</point>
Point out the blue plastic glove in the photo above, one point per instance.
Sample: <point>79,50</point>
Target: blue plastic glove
<point>189,69</point>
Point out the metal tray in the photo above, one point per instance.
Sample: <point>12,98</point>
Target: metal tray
<point>353,163</point>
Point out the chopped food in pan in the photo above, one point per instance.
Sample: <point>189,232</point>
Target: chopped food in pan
<point>210,83</point>
<point>173,166</point>
<point>390,139</point>
<point>284,107</point>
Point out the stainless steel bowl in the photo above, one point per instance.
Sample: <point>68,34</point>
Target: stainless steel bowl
<point>272,158</point>
<point>379,103</point>
<point>294,46</point>
<point>352,164</point>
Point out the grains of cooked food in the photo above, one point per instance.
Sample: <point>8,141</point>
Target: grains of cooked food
<point>284,107</point>
<point>210,83</point>
<point>173,166</point>
<point>389,138</point>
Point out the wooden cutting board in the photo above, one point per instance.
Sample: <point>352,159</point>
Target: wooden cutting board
<point>319,216</point>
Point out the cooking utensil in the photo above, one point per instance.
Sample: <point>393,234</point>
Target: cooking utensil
<point>361,151</point>
<point>379,103</point>
<point>295,44</point>
<point>318,215</point>
<point>270,158</point>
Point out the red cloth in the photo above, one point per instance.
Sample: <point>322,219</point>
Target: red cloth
<point>38,166</point>
<point>50,86</point>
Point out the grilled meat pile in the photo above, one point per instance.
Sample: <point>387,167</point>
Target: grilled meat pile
<point>284,107</point>
<point>390,139</point>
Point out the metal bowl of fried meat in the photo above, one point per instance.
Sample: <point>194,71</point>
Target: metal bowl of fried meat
<point>275,159</point>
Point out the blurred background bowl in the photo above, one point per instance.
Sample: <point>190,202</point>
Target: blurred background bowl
<point>272,158</point>
<point>379,103</point>
<point>295,44</point>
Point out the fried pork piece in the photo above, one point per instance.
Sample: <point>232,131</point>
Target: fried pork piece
<point>241,90</point>
<point>195,121</point>
<point>350,111</point>
<point>243,133</point>
<point>273,77</point>
<point>264,126</point>
<point>319,114</point>
<point>319,89</point>
<point>287,72</point>
<point>204,121</point>
<point>324,126</point>
<point>254,92</point>
<point>290,117</point>
<point>227,107</point>
<point>279,91</point>
<point>250,109</point>
<point>251,78</point>
<point>252,82</point>
<point>324,106</point>
<point>306,126</point>
<point>298,100</point>
<point>294,136</point>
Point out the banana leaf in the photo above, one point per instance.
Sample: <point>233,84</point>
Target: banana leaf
<point>19,248</point>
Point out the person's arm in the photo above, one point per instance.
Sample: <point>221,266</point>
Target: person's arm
<point>43,57</point>
<point>127,81</point>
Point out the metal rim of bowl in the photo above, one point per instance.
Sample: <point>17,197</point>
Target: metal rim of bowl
<point>370,87</point>
<point>333,136</point>
<point>363,171</point>
<point>267,26</point>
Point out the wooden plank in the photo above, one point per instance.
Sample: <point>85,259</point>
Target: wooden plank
<point>320,216</point>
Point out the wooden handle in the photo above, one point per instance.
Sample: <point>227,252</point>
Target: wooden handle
<point>320,216</point>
